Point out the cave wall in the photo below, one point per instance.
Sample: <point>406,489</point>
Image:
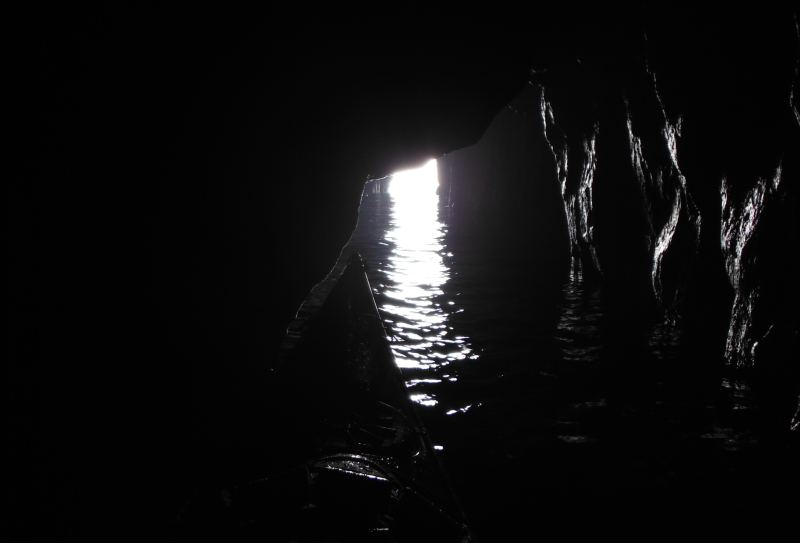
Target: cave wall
<point>492,195</point>
<point>675,148</point>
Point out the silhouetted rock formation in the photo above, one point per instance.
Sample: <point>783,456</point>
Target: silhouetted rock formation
<point>645,141</point>
<point>495,193</point>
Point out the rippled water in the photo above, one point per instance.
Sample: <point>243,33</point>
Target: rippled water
<point>402,242</point>
<point>415,274</point>
<point>549,403</point>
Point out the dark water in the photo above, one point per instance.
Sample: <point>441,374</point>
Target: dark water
<point>555,411</point>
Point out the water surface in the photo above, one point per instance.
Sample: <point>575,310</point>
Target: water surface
<point>552,406</point>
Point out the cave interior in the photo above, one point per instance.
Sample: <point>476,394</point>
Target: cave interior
<point>181,177</point>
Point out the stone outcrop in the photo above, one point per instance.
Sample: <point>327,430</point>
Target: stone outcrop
<point>673,222</point>
<point>492,192</point>
<point>655,162</point>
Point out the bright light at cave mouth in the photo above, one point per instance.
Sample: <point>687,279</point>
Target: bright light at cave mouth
<point>419,183</point>
<point>415,208</point>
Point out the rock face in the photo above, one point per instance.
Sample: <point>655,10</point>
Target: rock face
<point>572,142</point>
<point>673,221</point>
<point>492,192</point>
<point>665,188</point>
<point>182,178</point>
<point>739,167</point>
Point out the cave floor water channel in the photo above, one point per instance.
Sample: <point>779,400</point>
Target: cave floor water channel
<point>554,414</point>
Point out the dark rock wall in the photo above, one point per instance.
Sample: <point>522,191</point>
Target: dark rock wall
<point>492,192</point>
<point>674,145</point>
<point>673,222</point>
<point>731,89</point>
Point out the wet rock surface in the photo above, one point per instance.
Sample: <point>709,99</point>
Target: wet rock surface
<point>651,205</point>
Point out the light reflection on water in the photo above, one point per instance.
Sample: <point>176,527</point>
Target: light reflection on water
<point>417,272</point>
<point>578,332</point>
<point>401,240</point>
<point>537,344</point>
<point>563,384</point>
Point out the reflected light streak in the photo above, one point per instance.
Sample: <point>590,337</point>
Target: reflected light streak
<point>424,399</point>
<point>418,272</point>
